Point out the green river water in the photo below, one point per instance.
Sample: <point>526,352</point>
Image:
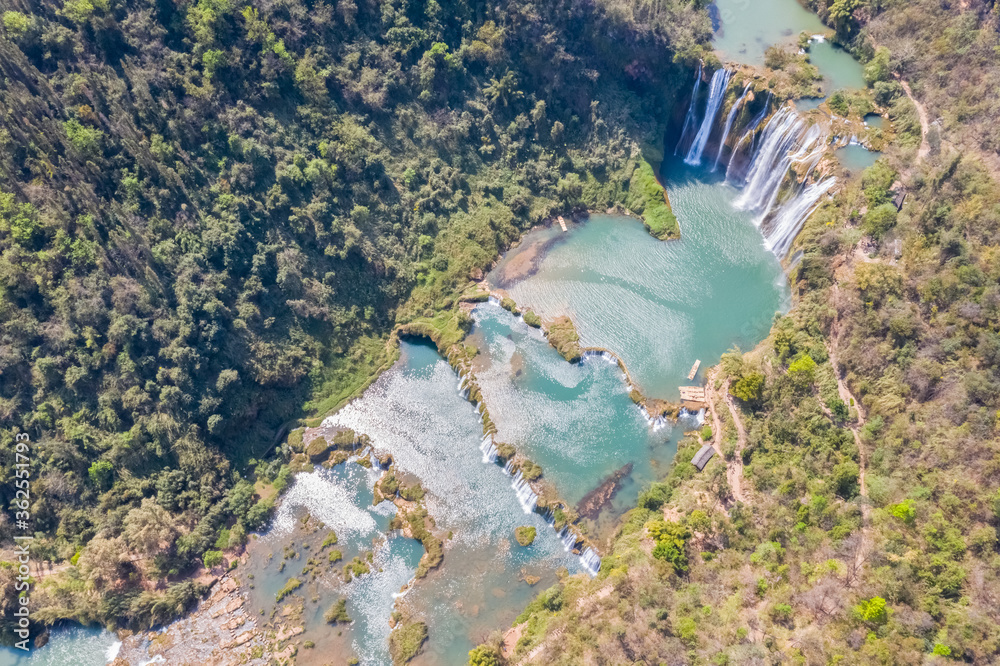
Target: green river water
<point>660,306</point>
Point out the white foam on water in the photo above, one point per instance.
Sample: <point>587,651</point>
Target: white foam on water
<point>326,498</point>
<point>112,652</point>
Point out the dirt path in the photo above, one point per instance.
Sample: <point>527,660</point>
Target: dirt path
<point>736,464</point>
<point>864,547</point>
<point>925,126</point>
<point>848,397</point>
<point>513,634</point>
<point>734,467</point>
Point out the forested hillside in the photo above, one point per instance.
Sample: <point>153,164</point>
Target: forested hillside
<point>213,214</point>
<point>854,515</point>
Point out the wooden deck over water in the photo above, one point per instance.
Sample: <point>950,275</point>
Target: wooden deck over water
<point>692,398</point>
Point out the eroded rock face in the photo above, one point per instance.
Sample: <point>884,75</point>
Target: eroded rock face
<point>594,501</point>
<point>219,631</point>
<point>318,449</point>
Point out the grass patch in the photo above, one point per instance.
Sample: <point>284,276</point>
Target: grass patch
<point>337,613</point>
<point>563,336</point>
<point>648,198</point>
<point>525,535</point>
<point>292,585</point>
<point>405,642</point>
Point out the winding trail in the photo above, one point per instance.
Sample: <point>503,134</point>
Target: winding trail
<point>736,464</point>
<point>514,633</point>
<point>864,546</point>
<point>734,467</point>
<point>925,126</point>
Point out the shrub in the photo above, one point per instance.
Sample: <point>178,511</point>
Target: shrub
<point>802,371</point>
<point>212,558</point>
<point>100,474</point>
<point>292,585</point>
<point>749,388</point>
<point>941,650</point>
<point>337,613</point>
<point>879,220</point>
<point>563,336</point>
<point>413,493</point>
<point>406,640</point>
<point>282,479</point>
<point>484,655</point>
<point>16,23</point>
<point>904,511</point>
<point>530,470</point>
<point>525,535</point>
<point>86,140</point>
<point>318,449</point>
<point>671,542</point>
<point>781,612</point>
<point>531,319</point>
<point>259,514</point>
<point>845,479</point>
<point>878,68</point>
<point>687,630</point>
<point>654,497</point>
<point>871,611</point>
<point>505,451</point>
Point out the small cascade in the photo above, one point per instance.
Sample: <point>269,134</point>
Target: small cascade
<point>655,423</point>
<point>604,355</point>
<point>493,300</point>
<point>591,561</point>
<point>717,93</point>
<point>729,123</point>
<point>689,117</point>
<point>568,538</point>
<point>749,133</point>
<point>789,220</point>
<point>489,450</point>
<point>525,495</point>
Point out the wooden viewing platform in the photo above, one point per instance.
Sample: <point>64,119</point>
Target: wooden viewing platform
<point>694,369</point>
<point>562,223</point>
<point>692,398</point>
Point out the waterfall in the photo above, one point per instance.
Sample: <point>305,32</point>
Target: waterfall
<point>525,495</point>
<point>785,142</point>
<point>689,117</point>
<point>789,220</point>
<point>770,163</point>
<point>568,538</point>
<point>591,561</point>
<point>716,94</point>
<point>489,450</point>
<point>748,132</point>
<point>729,124</point>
